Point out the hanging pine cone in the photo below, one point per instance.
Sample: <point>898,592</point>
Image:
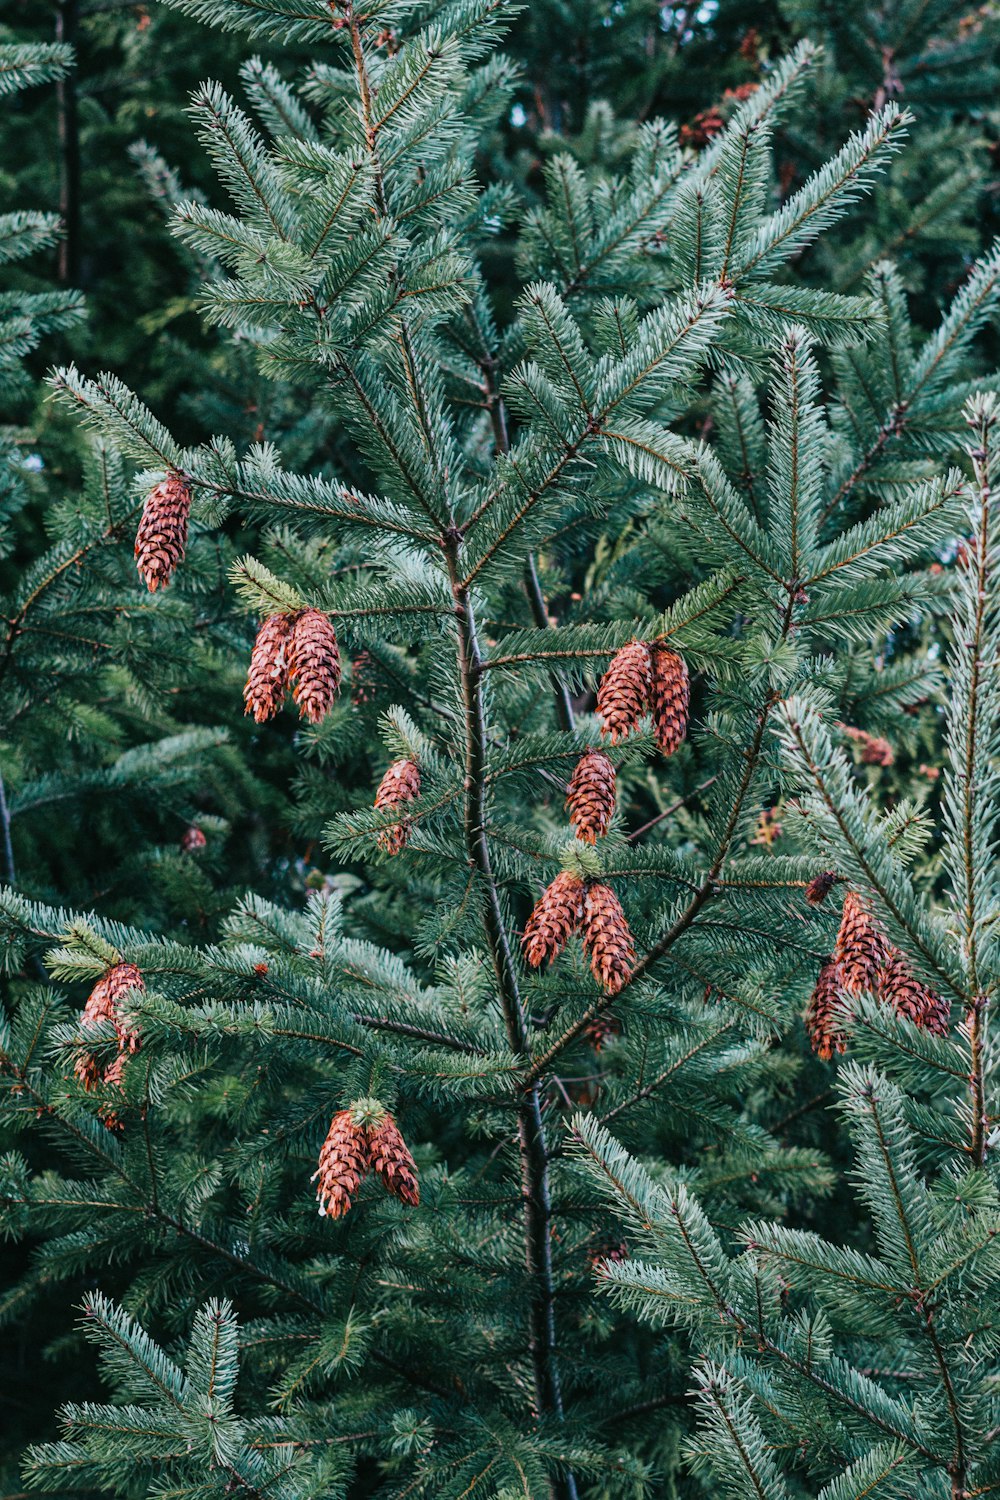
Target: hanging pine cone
<point>363,679</point>
<point>670,695</point>
<point>163,528</point>
<point>557,914</point>
<point>192,840</point>
<point>602,1029</point>
<point>267,678</point>
<point>606,938</point>
<point>825,1013</point>
<point>899,987</point>
<point>861,945</point>
<point>591,795</point>
<point>399,785</point>
<point>314,664</point>
<point>623,694</point>
<point>820,887</point>
<point>392,1161</point>
<point>103,1004</point>
<point>343,1165</point>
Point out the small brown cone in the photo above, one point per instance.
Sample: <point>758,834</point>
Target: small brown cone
<point>267,678</point>
<point>590,796</point>
<point>602,1029</point>
<point>826,1012</point>
<point>314,664</point>
<point>899,987</point>
<point>343,1165</point>
<point>103,1005</point>
<point>820,887</point>
<point>399,785</point>
<point>392,1161</point>
<point>861,945</point>
<point>192,840</point>
<point>606,938</point>
<point>557,914</point>
<point>670,695</point>
<point>161,539</point>
<point>623,694</point>
<point>364,679</point>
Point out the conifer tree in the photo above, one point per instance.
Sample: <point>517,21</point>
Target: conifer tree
<point>345,1237</point>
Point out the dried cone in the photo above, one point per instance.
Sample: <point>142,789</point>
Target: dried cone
<point>590,797</point>
<point>267,678</point>
<point>392,1161</point>
<point>103,1005</point>
<point>623,696</point>
<point>363,679</point>
<point>557,914</point>
<point>162,535</point>
<point>820,887</point>
<point>861,946</point>
<point>193,839</point>
<point>899,987</point>
<point>601,1030</point>
<point>825,1013</point>
<point>343,1165</point>
<point>606,938</point>
<point>314,664</point>
<point>670,695</point>
<point>399,785</point>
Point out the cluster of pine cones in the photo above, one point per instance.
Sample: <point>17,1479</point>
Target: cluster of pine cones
<point>300,649</point>
<point>363,1138</point>
<point>641,679</point>
<point>864,959</point>
<point>104,1004</point>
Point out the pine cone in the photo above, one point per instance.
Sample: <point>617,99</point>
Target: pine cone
<point>591,795</point>
<point>399,785</point>
<point>606,938</point>
<point>314,664</point>
<point>826,1012</point>
<point>861,945</point>
<point>602,1030</point>
<point>343,1165</point>
<point>623,695</point>
<point>163,528</point>
<point>899,987</point>
<point>820,887</point>
<point>102,1005</point>
<point>267,678</point>
<point>364,677</point>
<point>192,840</point>
<point>670,695</point>
<point>557,914</point>
<point>393,1162</point>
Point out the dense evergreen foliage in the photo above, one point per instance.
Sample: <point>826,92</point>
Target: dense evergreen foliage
<point>570,433</point>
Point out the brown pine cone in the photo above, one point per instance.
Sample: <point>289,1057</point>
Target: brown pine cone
<point>363,679</point>
<point>602,1029</point>
<point>557,914</point>
<point>590,797</point>
<point>314,664</point>
<point>399,785</point>
<point>267,678</point>
<point>606,938</point>
<point>103,1005</point>
<point>392,1161</point>
<point>899,987</point>
<point>670,695</point>
<point>192,840</point>
<point>826,1012</point>
<point>344,1162</point>
<point>820,887</point>
<point>161,539</point>
<point>862,947</point>
<point>623,694</point>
